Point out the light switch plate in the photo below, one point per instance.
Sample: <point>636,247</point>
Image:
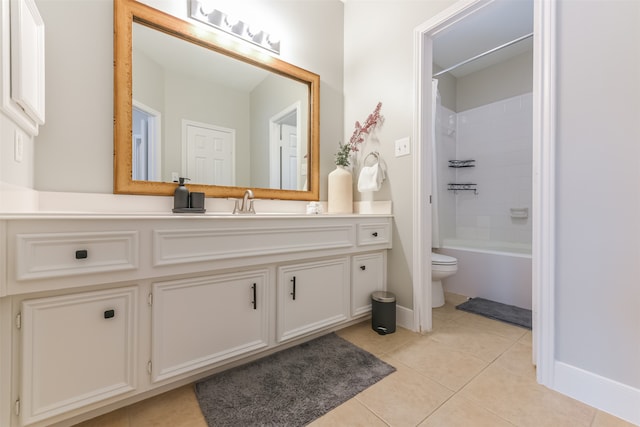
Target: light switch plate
<point>403,147</point>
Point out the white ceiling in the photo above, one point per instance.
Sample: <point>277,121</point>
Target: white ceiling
<point>497,23</point>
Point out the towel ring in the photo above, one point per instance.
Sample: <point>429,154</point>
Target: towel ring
<point>374,154</point>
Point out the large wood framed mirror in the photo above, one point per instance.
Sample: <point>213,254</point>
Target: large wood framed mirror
<point>189,101</point>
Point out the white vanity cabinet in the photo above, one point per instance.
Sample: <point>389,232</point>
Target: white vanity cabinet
<point>198,322</point>
<point>77,349</point>
<point>368,274</point>
<point>99,311</point>
<point>311,296</point>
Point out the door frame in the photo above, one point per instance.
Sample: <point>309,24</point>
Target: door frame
<point>543,179</point>
<point>274,153</point>
<point>154,138</point>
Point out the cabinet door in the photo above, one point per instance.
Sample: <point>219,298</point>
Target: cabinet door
<point>312,296</point>
<point>203,320</point>
<point>76,350</point>
<point>368,275</point>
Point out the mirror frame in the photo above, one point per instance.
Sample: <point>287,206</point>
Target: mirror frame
<point>128,11</point>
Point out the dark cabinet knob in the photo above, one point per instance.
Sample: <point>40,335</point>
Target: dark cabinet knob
<point>374,234</point>
<point>82,254</point>
<point>363,267</point>
<point>108,314</point>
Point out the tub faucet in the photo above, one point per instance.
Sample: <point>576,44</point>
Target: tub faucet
<point>247,204</point>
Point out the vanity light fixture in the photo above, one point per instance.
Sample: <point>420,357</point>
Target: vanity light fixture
<point>202,11</point>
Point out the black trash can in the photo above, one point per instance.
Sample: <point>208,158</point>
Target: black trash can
<point>383,312</point>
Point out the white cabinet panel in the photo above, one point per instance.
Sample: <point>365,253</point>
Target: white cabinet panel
<point>203,320</point>
<point>184,246</point>
<point>311,296</point>
<point>76,350</point>
<point>65,254</point>
<point>368,275</point>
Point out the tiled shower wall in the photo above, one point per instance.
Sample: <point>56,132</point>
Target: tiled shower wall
<point>498,137</point>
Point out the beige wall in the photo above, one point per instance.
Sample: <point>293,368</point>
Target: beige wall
<point>379,67</point>
<point>504,80</point>
<point>597,197</point>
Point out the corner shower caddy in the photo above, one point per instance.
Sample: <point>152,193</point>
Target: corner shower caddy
<point>462,163</point>
<point>455,187</point>
<point>463,187</point>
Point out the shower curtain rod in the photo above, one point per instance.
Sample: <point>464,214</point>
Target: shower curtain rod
<point>466,61</point>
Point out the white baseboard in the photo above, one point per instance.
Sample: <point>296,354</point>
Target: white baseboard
<point>404,317</point>
<point>610,396</point>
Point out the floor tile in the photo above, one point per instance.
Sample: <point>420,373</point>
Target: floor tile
<point>459,412</point>
<point>447,366</point>
<point>118,418</point>
<point>351,413</point>
<point>602,419</point>
<point>523,402</point>
<point>366,338</point>
<point>176,408</point>
<point>454,299</point>
<point>517,360</point>
<point>472,340</point>
<point>404,398</point>
<point>503,329</point>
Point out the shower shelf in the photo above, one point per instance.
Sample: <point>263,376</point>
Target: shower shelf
<point>462,163</point>
<point>463,187</point>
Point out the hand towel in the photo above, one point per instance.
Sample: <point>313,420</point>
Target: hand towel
<point>371,178</point>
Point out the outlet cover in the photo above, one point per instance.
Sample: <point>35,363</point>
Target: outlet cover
<point>403,147</point>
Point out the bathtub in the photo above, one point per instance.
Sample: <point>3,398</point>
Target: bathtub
<point>498,271</point>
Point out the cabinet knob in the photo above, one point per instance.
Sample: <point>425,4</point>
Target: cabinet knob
<point>293,293</point>
<point>374,234</point>
<point>82,254</point>
<point>108,314</point>
<point>363,267</point>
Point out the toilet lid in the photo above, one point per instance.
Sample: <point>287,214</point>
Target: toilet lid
<point>439,259</point>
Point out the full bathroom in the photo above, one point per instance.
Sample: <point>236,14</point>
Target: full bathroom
<point>482,163</point>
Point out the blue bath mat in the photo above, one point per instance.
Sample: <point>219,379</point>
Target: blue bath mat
<point>498,311</point>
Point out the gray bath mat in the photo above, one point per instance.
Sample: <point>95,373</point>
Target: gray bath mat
<point>292,387</point>
<point>498,311</point>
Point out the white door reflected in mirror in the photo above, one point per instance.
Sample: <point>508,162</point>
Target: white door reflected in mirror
<point>209,152</point>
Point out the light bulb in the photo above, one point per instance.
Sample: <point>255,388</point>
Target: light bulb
<point>206,7</point>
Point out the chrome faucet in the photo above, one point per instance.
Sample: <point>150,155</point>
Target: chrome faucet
<point>247,204</point>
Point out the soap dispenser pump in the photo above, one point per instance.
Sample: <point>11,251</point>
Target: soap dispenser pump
<point>181,195</point>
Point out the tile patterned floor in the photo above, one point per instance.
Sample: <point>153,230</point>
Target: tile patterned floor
<point>468,372</point>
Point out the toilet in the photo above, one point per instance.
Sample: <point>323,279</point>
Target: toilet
<point>442,266</point>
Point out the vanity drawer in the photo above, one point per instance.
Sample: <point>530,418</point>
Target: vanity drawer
<point>47,255</point>
<point>197,245</point>
<point>374,234</point>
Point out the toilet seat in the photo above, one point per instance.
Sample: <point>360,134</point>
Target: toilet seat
<point>439,259</point>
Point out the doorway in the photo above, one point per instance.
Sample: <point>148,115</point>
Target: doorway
<point>286,155</point>
<point>208,153</point>
<point>146,143</point>
<point>542,171</point>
